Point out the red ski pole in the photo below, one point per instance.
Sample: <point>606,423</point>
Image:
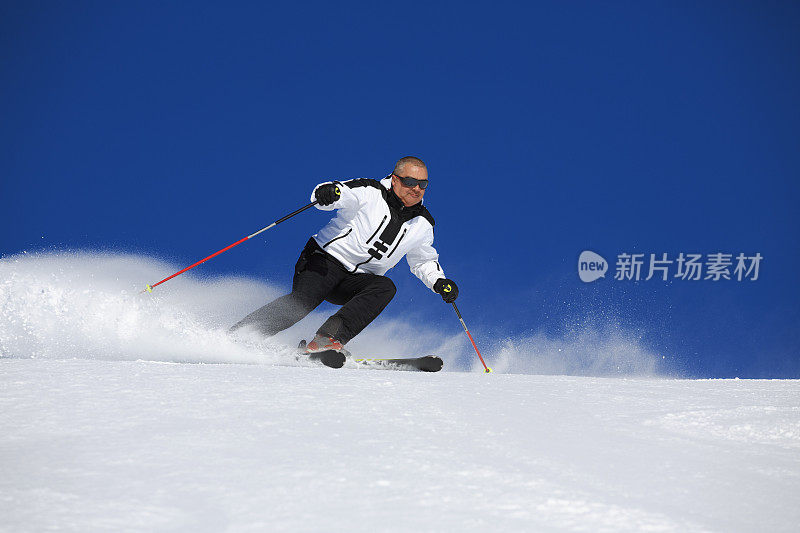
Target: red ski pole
<point>150,288</point>
<point>486,369</point>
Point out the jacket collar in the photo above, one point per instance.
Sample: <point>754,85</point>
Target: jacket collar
<point>395,202</point>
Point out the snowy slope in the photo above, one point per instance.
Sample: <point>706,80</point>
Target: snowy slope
<point>129,412</point>
<point>98,445</point>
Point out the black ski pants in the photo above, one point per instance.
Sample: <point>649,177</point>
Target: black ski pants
<point>319,277</point>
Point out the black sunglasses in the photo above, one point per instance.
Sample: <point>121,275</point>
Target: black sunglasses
<point>412,182</point>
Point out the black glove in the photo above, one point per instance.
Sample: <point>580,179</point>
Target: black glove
<point>328,193</point>
<point>447,288</point>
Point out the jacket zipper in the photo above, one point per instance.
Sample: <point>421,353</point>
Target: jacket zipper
<point>337,238</point>
<point>398,243</point>
<point>377,230</point>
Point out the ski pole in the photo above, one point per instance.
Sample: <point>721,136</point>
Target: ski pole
<point>486,369</point>
<point>150,288</point>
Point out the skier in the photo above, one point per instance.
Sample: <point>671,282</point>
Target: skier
<point>377,223</point>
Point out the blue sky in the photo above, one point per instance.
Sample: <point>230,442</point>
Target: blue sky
<point>173,130</point>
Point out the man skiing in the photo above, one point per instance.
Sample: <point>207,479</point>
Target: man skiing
<point>377,223</point>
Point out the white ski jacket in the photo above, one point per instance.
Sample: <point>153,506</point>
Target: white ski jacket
<point>373,230</point>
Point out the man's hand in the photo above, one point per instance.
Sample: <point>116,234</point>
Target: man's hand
<point>447,288</point>
<point>328,193</point>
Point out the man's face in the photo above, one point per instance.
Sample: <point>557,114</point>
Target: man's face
<point>409,195</point>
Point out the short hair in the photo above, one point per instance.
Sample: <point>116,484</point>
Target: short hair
<point>409,160</point>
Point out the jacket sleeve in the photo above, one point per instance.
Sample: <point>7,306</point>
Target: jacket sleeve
<point>351,198</point>
<point>424,261</point>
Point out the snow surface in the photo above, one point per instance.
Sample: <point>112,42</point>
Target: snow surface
<point>130,445</point>
<point>128,412</point>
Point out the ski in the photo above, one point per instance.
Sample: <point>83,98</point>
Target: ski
<point>334,359</point>
<point>428,363</point>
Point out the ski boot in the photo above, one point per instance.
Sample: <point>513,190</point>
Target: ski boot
<point>326,350</point>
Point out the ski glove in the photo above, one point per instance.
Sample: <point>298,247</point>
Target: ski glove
<point>447,288</point>
<point>328,193</point>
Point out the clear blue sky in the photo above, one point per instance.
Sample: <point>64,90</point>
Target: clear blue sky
<point>174,129</point>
